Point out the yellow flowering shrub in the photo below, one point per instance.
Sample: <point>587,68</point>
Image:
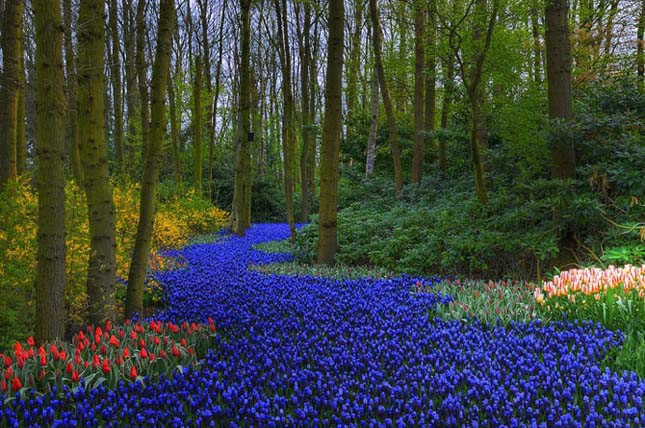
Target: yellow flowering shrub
<point>175,222</point>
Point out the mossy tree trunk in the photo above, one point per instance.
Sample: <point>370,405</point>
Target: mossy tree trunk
<point>197,123</point>
<point>307,116</point>
<point>115,70</point>
<point>152,161</point>
<point>418,151</point>
<point>72,132</point>
<point>558,61</point>
<point>101,273</point>
<point>431,76</point>
<point>288,115</point>
<point>377,40</point>
<point>10,90</point>
<point>332,124</point>
<point>142,77</point>
<point>50,171</point>
<point>240,215</point>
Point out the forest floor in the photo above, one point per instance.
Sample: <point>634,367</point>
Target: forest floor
<point>308,350</point>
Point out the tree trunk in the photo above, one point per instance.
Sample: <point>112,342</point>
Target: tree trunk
<point>353,64</point>
<point>50,171</point>
<point>307,115</point>
<point>10,90</point>
<point>213,118</point>
<point>387,103</point>
<point>640,46</point>
<point>197,124</point>
<point>131,92</point>
<point>332,125</point>
<point>142,74</point>
<point>116,89</point>
<point>537,49</point>
<point>448,77</point>
<point>558,69</point>
<point>101,272</point>
<point>241,212</point>
<point>371,139</point>
<point>21,132</point>
<point>71,120</point>
<point>154,155</point>
<point>418,151</point>
<point>288,117</point>
<point>431,77</point>
<point>175,124</point>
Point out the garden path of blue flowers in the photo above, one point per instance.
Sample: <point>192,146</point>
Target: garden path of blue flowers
<point>313,352</point>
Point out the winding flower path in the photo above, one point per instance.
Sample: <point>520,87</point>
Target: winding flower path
<point>307,351</point>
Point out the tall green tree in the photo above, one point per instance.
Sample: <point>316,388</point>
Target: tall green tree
<point>101,273</point>
<point>10,84</point>
<point>241,213</point>
<point>197,123</point>
<point>332,124</point>
<point>50,171</point>
<point>152,160</point>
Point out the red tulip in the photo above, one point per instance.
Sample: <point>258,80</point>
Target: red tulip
<point>43,360</point>
<point>69,367</point>
<point>126,353</point>
<point>75,376</point>
<point>97,334</point>
<point>108,325</point>
<point>106,367</point>
<point>16,384</point>
<point>96,362</point>
<point>3,385</point>
<point>183,342</point>
<point>143,353</point>
<point>133,373</point>
<point>114,341</point>
<point>7,361</point>
<point>30,341</point>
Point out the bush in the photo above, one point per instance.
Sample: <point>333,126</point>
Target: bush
<point>176,220</point>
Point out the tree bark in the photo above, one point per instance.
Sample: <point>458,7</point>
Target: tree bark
<point>154,156</point>
<point>640,46</point>
<point>327,222</point>
<point>10,90</point>
<point>371,139</point>
<point>197,123</point>
<point>288,116</point>
<point>50,171</point>
<point>448,84</point>
<point>71,120</point>
<point>308,135</point>
<point>240,215</point>
<point>558,59</point>
<point>101,272</point>
<point>377,39</point>
<point>21,131</point>
<point>131,91</point>
<point>175,124</point>
<point>418,151</point>
<point>142,74</point>
<point>430,76</point>
<point>116,89</point>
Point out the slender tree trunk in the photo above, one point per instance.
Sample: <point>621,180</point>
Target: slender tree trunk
<point>448,75</point>
<point>21,132</point>
<point>213,118</point>
<point>174,132</point>
<point>197,123</point>
<point>50,170</point>
<point>371,139</point>
<point>559,84</point>
<point>431,77</point>
<point>288,117</point>
<point>154,156</point>
<point>142,74</point>
<point>242,191</point>
<point>537,48</point>
<point>10,90</point>
<point>353,64</point>
<point>418,152</point>
<point>116,89</point>
<point>71,128</point>
<point>387,103</point>
<point>640,46</point>
<point>307,119</point>
<point>131,92</point>
<point>327,223</point>
<point>94,155</point>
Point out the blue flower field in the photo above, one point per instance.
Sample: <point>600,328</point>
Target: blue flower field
<point>314,352</point>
